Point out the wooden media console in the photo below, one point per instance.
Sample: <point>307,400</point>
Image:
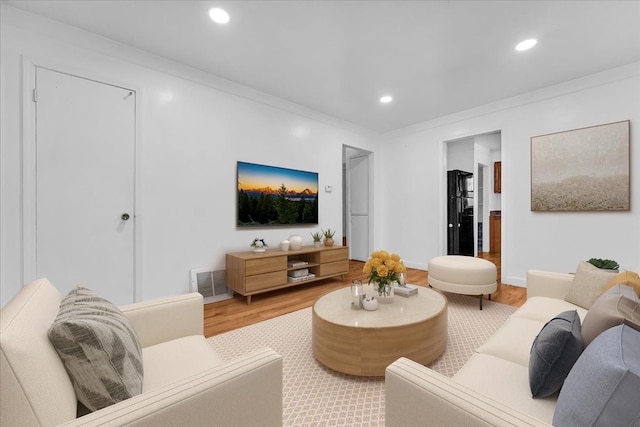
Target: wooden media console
<point>249,273</point>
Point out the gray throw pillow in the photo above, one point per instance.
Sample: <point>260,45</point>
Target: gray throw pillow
<point>553,353</point>
<point>602,388</point>
<point>99,349</point>
<point>588,284</point>
<point>611,309</point>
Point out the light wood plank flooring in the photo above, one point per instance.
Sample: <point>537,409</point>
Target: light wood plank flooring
<point>234,313</point>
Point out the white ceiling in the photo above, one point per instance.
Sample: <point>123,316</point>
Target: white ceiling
<point>339,57</point>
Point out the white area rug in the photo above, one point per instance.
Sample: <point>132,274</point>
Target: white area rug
<point>314,395</point>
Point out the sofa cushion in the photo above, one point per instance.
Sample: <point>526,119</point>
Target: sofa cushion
<point>99,348</point>
<point>602,388</point>
<point>618,303</point>
<point>174,360</point>
<point>628,278</point>
<point>543,309</point>
<point>513,340</point>
<point>553,353</point>
<point>588,284</point>
<point>34,385</point>
<point>504,382</point>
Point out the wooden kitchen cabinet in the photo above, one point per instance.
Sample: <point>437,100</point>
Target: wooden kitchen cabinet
<point>497,177</point>
<point>495,232</point>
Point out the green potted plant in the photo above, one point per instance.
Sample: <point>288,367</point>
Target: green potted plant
<point>317,237</point>
<point>328,237</point>
<point>605,264</point>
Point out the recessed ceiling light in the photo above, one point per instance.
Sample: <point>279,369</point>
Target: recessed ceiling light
<point>386,99</point>
<point>219,16</point>
<point>526,44</point>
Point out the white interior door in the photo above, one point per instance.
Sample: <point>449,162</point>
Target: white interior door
<point>359,207</point>
<point>85,156</point>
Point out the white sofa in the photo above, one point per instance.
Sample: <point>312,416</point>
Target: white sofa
<point>492,388</point>
<point>185,382</point>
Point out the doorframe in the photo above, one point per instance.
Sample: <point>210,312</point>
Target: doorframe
<point>29,232</point>
<point>346,205</point>
<point>485,169</point>
<point>444,192</point>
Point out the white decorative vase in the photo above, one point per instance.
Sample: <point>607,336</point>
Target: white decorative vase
<point>295,242</point>
<point>284,245</point>
<point>370,303</point>
<point>259,251</point>
<point>316,244</point>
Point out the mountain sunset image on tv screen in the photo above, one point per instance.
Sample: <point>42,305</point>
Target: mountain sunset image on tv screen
<point>270,195</point>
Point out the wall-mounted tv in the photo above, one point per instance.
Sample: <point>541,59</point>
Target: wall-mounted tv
<point>275,196</point>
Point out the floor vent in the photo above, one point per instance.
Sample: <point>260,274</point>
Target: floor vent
<point>212,284</point>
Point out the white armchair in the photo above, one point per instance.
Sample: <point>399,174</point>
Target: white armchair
<point>185,381</point>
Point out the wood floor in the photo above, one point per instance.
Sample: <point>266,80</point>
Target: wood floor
<point>234,313</point>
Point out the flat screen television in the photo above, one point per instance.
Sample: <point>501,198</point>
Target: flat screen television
<point>276,196</point>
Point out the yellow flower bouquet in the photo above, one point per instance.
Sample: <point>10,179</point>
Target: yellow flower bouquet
<point>383,270</point>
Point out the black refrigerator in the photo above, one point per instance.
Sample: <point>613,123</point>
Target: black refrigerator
<point>460,213</point>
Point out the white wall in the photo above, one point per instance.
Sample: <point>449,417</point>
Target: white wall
<point>460,155</point>
<point>531,240</point>
<point>189,147</point>
<point>193,129</point>
<point>491,142</point>
<point>488,151</point>
<point>482,157</point>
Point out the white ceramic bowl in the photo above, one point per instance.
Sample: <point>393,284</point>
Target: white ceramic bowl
<point>370,304</point>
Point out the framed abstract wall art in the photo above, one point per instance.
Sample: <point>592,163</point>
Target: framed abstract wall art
<point>584,169</point>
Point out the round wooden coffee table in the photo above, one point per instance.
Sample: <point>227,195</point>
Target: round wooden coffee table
<point>360,342</point>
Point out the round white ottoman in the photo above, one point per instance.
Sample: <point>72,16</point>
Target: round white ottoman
<point>463,275</point>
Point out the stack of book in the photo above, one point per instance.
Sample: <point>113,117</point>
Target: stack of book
<point>298,273</point>
<point>297,263</point>
<point>309,276</point>
<point>405,291</point>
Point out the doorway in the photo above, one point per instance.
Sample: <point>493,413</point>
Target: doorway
<point>357,222</point>
<point>82,195</point>
<point>474,157</point>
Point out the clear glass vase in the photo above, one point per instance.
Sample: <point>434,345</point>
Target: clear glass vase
<point>357,294</point>
<point>385,293</point>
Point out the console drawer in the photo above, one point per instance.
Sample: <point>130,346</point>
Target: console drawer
<point>266,281</point>
<point>338,267</point>
<point>265,265</point>
<point>340,254</point>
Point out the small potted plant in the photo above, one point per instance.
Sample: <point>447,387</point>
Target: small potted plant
<point>605,264</point>
<point>328,237</point>
<point>259,246</point>
<point>317,237</point>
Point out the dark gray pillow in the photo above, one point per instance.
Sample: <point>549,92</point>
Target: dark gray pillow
<point>99,349</point>
<point>553,353</point>
<point>602,388</point>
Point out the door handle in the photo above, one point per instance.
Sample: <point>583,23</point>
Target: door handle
<point>125,216</point>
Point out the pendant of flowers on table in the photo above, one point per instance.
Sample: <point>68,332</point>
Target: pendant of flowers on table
<point>258,243</point>
<point>383,269</point>
<point>259,246</point>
